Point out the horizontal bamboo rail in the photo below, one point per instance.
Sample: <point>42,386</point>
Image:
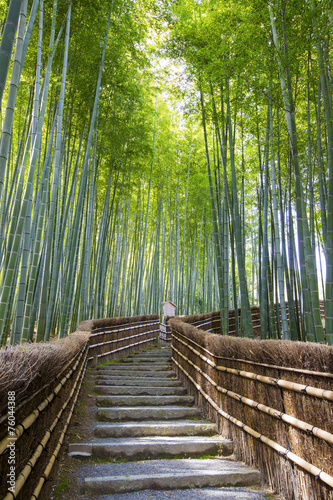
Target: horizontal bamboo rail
<point>119,334</point>
<point>115,341</point>
<point>123,348</point>
<point>277,367</point>
<point>200,324</point>
<point>125,326</point>
<point>315,471</point>
<point>285,384</point>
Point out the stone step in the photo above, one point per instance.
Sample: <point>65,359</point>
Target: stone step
<point>139,413</point>
<point>143,372</point>
<point>151,447</point>
<point>152,359</point>
<point>169,428</point>
<point>160,349</point>
<point>142,367</point>
<point>147,355</point>
<point>208,493</point>
<point>170,474</point>
<point>108,401</point>
<point>137,390</point>
<point>138,381</point>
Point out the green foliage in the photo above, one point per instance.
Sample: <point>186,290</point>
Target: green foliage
<point>159,57</point>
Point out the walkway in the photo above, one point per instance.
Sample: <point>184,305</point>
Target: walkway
<point>150,441</point>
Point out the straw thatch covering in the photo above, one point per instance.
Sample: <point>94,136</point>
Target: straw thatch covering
<point>26,368</point>
<point>112,322</point>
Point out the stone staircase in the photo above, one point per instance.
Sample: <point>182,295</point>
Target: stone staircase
<point>150,436</point>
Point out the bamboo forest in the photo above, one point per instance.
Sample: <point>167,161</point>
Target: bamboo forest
<point>157,150</point>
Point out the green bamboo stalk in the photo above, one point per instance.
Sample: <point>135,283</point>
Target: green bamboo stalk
<point>52,283</point>
<point>282,302</point>
<point>327,100</point>
<point>312,307</point>
<point>142,256</point>
<point>219,259</point>
<point>264,304</point>
<point>245,304</point>
<point>6,47</point>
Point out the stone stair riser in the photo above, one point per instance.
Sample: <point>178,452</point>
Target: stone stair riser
<point>108,401</point>
<point>135,414</point>
<point>156,429</point>
<point>139,381</point>
<point>144,451</point>
<point>141,373</point>
<point>128,484</point>
<point>140,391</point>
<point>134,368</point>
<point>147,361</point>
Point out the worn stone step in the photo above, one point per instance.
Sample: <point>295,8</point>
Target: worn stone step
<point>143,372</point>
<point>207,493</point>
<point>170,474</point>
<point>155,355</point>
<point>139,413</point>
<point>151,447</point>
<point>108,401</point>
<point>138,381</point>
<point>136,367</point>
<point>137,390</point>
<point>141,362</point>
<point>169,428</point>
<point>146,359</point>
<point>159,349</point>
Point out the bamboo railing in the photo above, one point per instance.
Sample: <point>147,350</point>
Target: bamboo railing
<point>110,339</point>
<point>277,411</point>
<point>43,410</point>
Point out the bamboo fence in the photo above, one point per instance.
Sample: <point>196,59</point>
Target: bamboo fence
<point>46,380</point>
<point>272,398</point>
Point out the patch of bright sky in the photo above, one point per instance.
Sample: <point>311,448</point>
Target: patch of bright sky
<point>171,76</point>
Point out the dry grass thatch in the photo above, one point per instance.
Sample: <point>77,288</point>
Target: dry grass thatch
<point>105,322</point>
<point>27,367</point>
